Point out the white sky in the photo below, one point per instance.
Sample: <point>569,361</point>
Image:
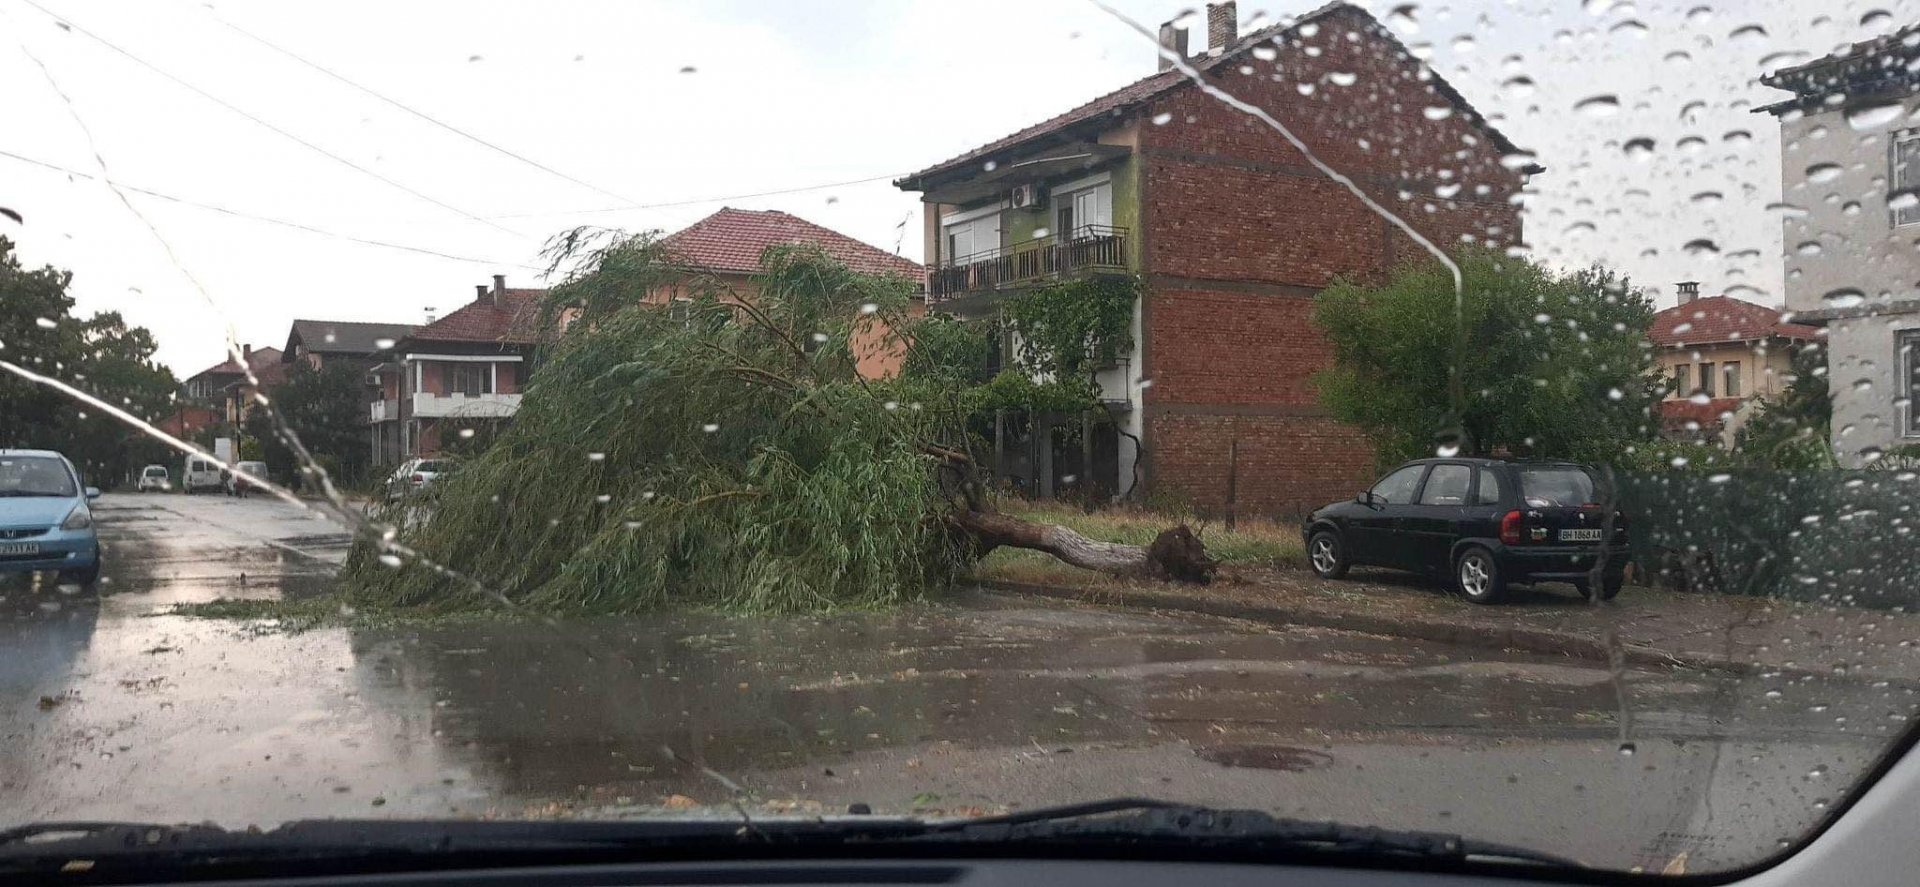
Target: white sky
<point>783,94</point>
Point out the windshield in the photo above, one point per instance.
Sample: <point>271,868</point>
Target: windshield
<point>34,476</point>
<point>769,409</point>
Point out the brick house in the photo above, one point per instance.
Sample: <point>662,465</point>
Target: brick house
<point>225,389</point>
<point>466,369</point>
<point>725,248</point>
<point>1232,233</point>
<point>323,343</point>
<point>1723,356</point>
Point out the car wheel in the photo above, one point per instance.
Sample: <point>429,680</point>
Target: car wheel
<point>1477,574</point>
<point>1327,555</point>
<point>84,578</point>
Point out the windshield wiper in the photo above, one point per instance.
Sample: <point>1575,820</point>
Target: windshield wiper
<point>1130,824</point>
<point>1158,823</point>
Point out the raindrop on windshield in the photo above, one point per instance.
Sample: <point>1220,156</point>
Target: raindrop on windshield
<point>1599,105</point>
<point>1845,297</point>
<point>1639,149</point>
<point>1874,116</point>
<point>1821,173</point>
<point>45,323</point>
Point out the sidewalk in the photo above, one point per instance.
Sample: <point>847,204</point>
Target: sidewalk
<point>1653,627</point>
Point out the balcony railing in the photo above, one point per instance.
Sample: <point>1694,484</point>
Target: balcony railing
<point>385,410</point>
<point>1091,248</point>
<point>475,406</point>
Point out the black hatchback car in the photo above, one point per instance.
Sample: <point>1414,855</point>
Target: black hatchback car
<point>1485,522</point>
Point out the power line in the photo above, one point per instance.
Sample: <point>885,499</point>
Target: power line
<point>283,133</point>
<point>697,200</point>
<point>298,226</point>
<point>417,112</point>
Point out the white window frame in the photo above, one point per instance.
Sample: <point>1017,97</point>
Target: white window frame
<point>1906,357</point>
<point>1068,191</point>
<point>1732,378</point>
<point>1896,183</point>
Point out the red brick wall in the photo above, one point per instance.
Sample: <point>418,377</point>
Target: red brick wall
<point>1240,231</point>
<point>1288,465</point>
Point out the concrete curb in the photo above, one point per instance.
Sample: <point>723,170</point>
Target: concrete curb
<point>1531,640</point>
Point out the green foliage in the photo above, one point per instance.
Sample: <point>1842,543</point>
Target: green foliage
<point>1065,331</point>
<point>326,409</point>
<point>1551,365</point>
<point>1792,431</point>
<point>101,355</point>
<point>735,460</point>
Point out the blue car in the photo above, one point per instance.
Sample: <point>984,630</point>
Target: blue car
<point>45,521</point>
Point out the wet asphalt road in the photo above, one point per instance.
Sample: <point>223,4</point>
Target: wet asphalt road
<point>111,708</point>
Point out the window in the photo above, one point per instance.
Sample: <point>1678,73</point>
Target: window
<point>1447,485</point>
<point>1489,492</point>
<point>1680,374</point>
<point>680,311</point>
<point>1082,211</point>
<point>1730,375</point>
<point>1904,177</point>
<point>470,379</point>
<point>1398,487</point>
<point>1556,486</point>
<point>972,237</point>
<point>1706,378</point>
<point>1909,361</point>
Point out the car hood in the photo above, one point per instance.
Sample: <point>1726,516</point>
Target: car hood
<point>35,511</point>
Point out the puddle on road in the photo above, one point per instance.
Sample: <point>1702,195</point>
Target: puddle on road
<point>1265,757</point>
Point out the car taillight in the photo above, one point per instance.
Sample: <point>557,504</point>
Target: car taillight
<point>1510,528</point>
<point>419,479</point>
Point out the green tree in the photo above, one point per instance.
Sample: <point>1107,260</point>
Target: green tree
<point>1541,364</point>
<point>1792,430</point>
<point>101,355</point>
<point>730,457</point>
<point>326,409</point>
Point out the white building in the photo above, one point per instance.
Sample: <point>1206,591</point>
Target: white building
<point>1850,171</point>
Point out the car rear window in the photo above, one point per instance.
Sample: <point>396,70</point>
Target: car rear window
<point>1556,486</point>
<point>430,466</point>
<point>156,471</point>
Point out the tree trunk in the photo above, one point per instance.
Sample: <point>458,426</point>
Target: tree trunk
<point>1176,554</point>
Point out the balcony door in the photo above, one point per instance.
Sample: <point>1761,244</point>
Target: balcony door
<point>1083,211</point>
<point>971,235</point>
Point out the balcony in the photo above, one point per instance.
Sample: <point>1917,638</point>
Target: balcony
<point>385,411</point>
<point>427,405</point>
<point>1092,249</point>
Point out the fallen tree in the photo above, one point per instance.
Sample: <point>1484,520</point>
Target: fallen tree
<point>727,455</point>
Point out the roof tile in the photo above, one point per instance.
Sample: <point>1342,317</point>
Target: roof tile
<point>512,318</point>
<point>731,241</point>
<point>1715,319</point>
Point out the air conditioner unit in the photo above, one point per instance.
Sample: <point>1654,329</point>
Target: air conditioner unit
<point>1025,197</point>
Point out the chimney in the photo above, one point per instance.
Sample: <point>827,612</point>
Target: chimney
<point>1689,290</point>
<point>246,354</point>
<point>1223,24</point>
<point>431,313</point>
<point>1173,39</point>
<point>480,293</point>
<point>499,287</point>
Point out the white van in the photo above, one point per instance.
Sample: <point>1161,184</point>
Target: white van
<point>202,474</point>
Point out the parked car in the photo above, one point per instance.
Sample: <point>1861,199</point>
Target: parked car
<point>1487,523</point>
<point>200,474</point>
<point>415,475</point>
<point>239,486</point>
<point>45,520</point>
<point>154,479</point>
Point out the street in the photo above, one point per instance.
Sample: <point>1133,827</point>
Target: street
<point>113,708</point>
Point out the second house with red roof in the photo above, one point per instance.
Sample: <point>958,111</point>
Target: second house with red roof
<point>1722,357</point>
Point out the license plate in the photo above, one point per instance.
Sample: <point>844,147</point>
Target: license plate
<point>1592,535</point>
<point>19,548</point>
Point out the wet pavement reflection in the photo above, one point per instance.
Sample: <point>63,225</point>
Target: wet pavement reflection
<point>114,708</point>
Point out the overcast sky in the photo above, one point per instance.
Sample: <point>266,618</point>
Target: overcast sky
<point>687,104</point>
